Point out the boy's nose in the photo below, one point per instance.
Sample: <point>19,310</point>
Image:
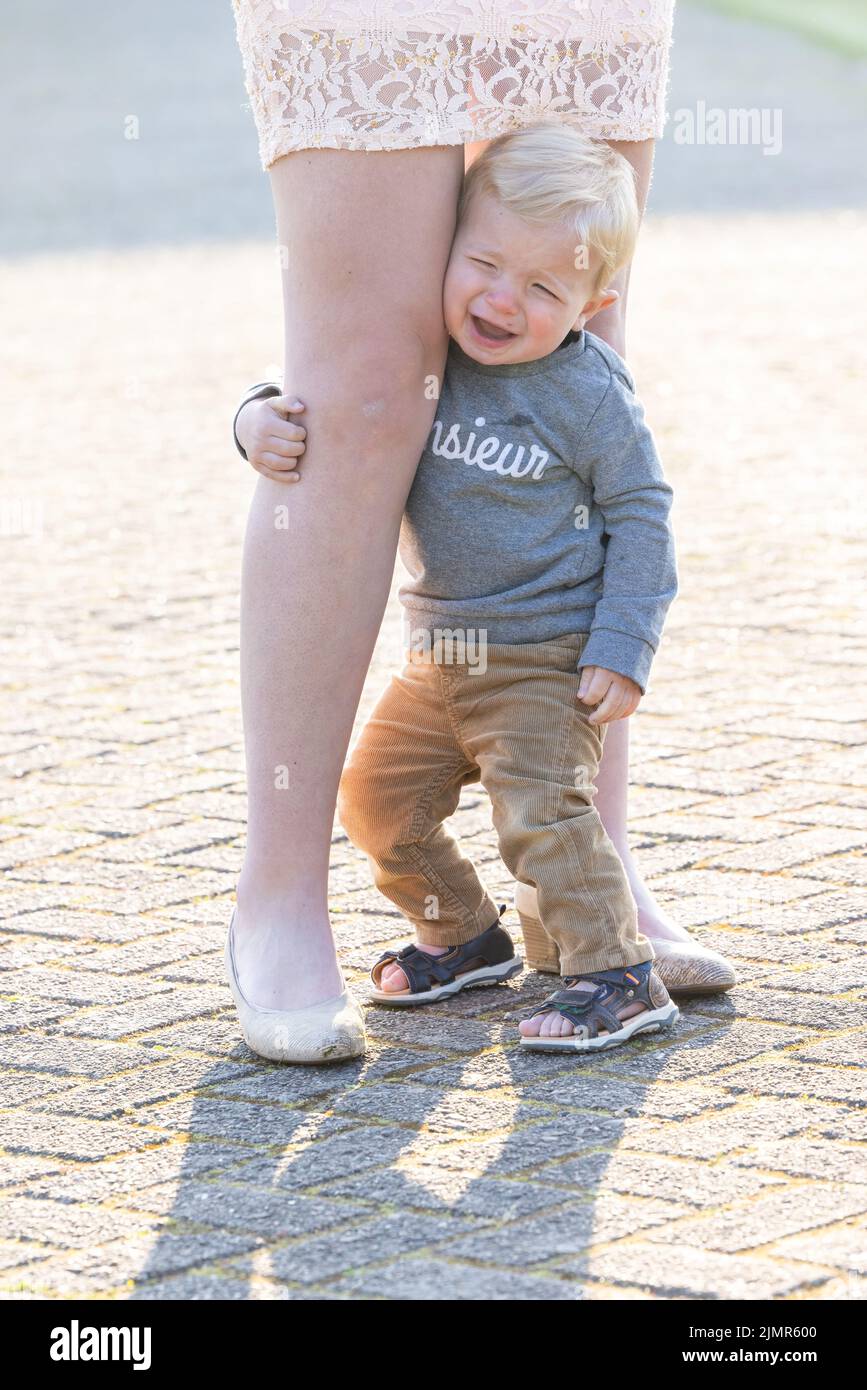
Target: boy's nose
<point>502,302</point>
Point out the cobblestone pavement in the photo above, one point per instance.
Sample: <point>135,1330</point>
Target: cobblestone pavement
<point>146,1152</point>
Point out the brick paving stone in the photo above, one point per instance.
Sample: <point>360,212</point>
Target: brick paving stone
<point>809,1158</point>
<point>688,1273</point>
<point>79,926</point>
<point>783,1077</point>
<point>778,950</point>
<point>813,1009</point>
<point>77,987</point>
<point>834,979</point>
<point>116,1177</point>
<point>406,1102</point>
<point>336,1156</point>
<point>240,1206</point>
<point>792,850</point>
<point>68,1225</point>
<point>14,1253</point>
<point>822,909</point>
<point>854,934</point>
<point>129,1091</point>
<point>312,1259</point>
<point>155,952</point>
<point>167,1006</point>
<point>496,1069</point>
<point>438,1030</point>
<point>76,1140</point>
<point>215,1035</point>
<point>82,1273</point>
<point>723,1132</point>
<point>574,1226</point>
<point>223,1287</point>
<point>652,1175</point>
<point>701,1055</point>
<point>842,868</point>
<point>768,1217</point>
<point>19,949</point>
<point>239,1122</point>
<point>18,1169</point>
<point>420,1278</point>
<point>845,1050</point>
<point>841,1245</point>
<point>593,1091</point>
<point>843,1124</point>
<point>289,1085</point>
<point>428,1187</point>
<point>522,1151</point>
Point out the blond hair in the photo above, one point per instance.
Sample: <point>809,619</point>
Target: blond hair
<point>549,172</point>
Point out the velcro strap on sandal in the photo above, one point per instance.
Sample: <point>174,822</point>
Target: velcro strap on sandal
<point>424,972</point>
<point>594,1008</point>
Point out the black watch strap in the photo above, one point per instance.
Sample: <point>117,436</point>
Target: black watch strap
<point>261,391</point>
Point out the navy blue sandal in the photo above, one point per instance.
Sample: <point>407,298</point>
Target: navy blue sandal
<point>590,1010</point>
<point>486,960</point>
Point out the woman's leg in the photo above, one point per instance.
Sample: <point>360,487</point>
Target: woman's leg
<point>367,238</point>
<point>612,781</point>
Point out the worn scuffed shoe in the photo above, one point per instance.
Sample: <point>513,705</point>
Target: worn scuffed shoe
<point>330,1031</point>
<point>686,967</point>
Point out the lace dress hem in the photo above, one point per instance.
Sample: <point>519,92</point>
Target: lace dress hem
<point>400,74</point>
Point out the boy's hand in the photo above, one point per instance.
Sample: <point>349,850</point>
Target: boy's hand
<point>272,443</point>
<point>618,694</point>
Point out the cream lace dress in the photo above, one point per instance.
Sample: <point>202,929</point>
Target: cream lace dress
<point>397,74</point>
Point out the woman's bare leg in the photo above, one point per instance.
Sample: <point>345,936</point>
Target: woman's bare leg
<point>367,238</point>
<point>612,782</point>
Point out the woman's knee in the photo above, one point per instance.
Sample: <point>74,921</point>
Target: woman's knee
<point>376,394</point>
<point>400,370</point>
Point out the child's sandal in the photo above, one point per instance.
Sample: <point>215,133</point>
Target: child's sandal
<point>486,960</point>
<point>590,1010</point>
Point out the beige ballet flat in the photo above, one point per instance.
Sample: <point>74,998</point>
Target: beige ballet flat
<point>331,1031</point>
<point>684,967</point>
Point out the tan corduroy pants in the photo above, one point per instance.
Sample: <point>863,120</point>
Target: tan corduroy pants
<point>513,722</point>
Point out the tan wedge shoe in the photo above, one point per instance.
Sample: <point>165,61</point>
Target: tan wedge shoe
<point>684,967</point>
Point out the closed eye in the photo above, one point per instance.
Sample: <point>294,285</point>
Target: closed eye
<point>487,264</point>
<point>547,291</point>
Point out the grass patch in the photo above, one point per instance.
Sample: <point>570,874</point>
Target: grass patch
<point>838,24</point>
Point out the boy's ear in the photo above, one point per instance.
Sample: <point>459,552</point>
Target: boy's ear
<point>595,306</point>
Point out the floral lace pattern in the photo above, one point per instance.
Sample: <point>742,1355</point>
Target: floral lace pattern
<point>395,74</point>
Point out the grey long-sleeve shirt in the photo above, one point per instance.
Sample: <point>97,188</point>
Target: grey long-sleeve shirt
<point>539,509</point>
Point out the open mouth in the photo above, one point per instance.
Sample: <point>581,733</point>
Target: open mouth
<point>489,332</point>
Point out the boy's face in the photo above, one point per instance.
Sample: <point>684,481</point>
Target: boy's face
<point>512,290</point>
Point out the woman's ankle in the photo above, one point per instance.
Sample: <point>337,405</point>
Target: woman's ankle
<point>653,921</point>
<point>264,897</point>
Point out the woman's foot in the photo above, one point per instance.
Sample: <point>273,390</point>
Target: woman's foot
<point>284,955</point>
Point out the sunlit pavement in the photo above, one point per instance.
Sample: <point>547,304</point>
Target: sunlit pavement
<point>146,1153</point>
